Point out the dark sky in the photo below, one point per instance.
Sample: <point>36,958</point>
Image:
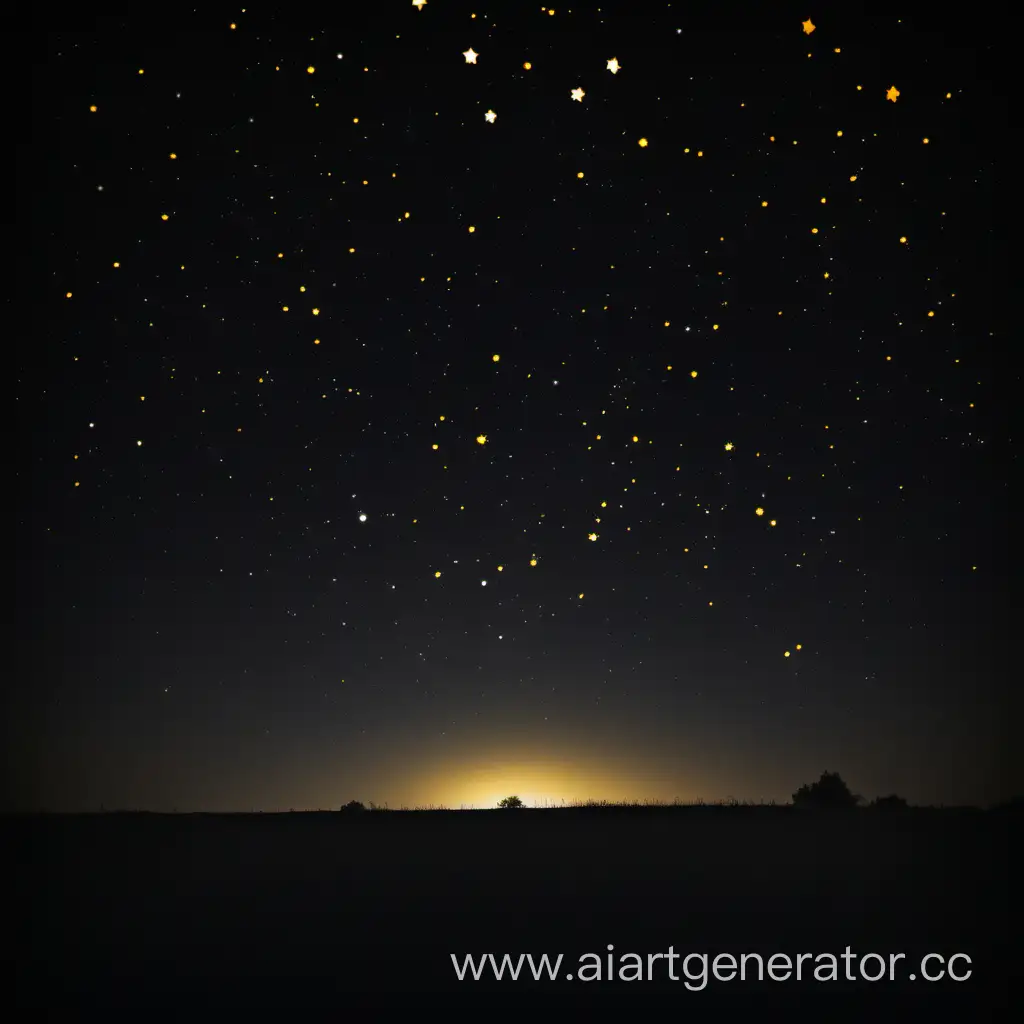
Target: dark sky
<point>646,446</point>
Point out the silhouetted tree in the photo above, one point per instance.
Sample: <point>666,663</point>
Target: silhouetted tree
<point>352,807</point>
<point>829,792</point>
<point>510,803</point>
<point>892,802</point>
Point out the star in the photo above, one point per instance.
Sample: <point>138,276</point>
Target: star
<point>729,446</point>
<point>892,93</point>
<point>577,94</point>
<point>809,26</point>
<point>613,66</point>
<point>419,4</point>
<point>591,536</point>
<point>481,439</point>
<point>490,117</point>
<point>470,55</point>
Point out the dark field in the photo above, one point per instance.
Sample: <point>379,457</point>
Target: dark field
<point>298,911</point>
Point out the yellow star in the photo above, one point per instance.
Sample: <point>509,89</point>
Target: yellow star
<point>490,117</point>
<point>470,55</point>
<point>613,66</point>
<point>577,94</point>
<point>481,439</point>
<point>419,5</point>
<point>758,511</point>
<point>591,536</point>
<point>809,26</point>
<point>892,93</point>
<point>642,143</point>
<point>729,446</point>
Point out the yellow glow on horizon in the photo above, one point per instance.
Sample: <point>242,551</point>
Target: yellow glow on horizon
<point>546,782</point>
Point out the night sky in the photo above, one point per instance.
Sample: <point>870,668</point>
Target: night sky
<point>420,406</point>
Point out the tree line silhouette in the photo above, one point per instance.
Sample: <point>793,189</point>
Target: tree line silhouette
<point>828,793</point>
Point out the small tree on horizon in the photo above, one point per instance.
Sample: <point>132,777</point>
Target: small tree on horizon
<point>352,807</point>
<point>829,792</point>
<point>510,803</point>
<point>892,802</point>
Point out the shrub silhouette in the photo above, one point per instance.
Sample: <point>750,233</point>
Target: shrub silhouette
<point>352,807</point>
<point>510,803</point>
<point>829,792</point>
<point>892,802</point>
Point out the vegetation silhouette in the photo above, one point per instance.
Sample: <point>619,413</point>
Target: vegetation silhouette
<point>892,802</point>
<point>830,792</point>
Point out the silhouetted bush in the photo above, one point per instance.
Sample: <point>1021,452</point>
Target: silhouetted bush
<point>828,793</point>
<point>352,807</point>
<point>510,803</point>
<point>892,802</point>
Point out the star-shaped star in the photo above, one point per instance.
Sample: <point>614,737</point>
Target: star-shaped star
<point>577,94</point>
<point>809,26</point>
<point>490,117</point>
<point>613,66</point>
<point>419,4</point>
<point>470,55</point>
<point>892,93</point>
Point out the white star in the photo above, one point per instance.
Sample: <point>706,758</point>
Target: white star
<point>470,55</point>
<point>613,66</point>
<point>577,94</point>
<point>490,117</point>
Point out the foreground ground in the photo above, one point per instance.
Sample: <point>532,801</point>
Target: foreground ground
<point>301,911</point>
